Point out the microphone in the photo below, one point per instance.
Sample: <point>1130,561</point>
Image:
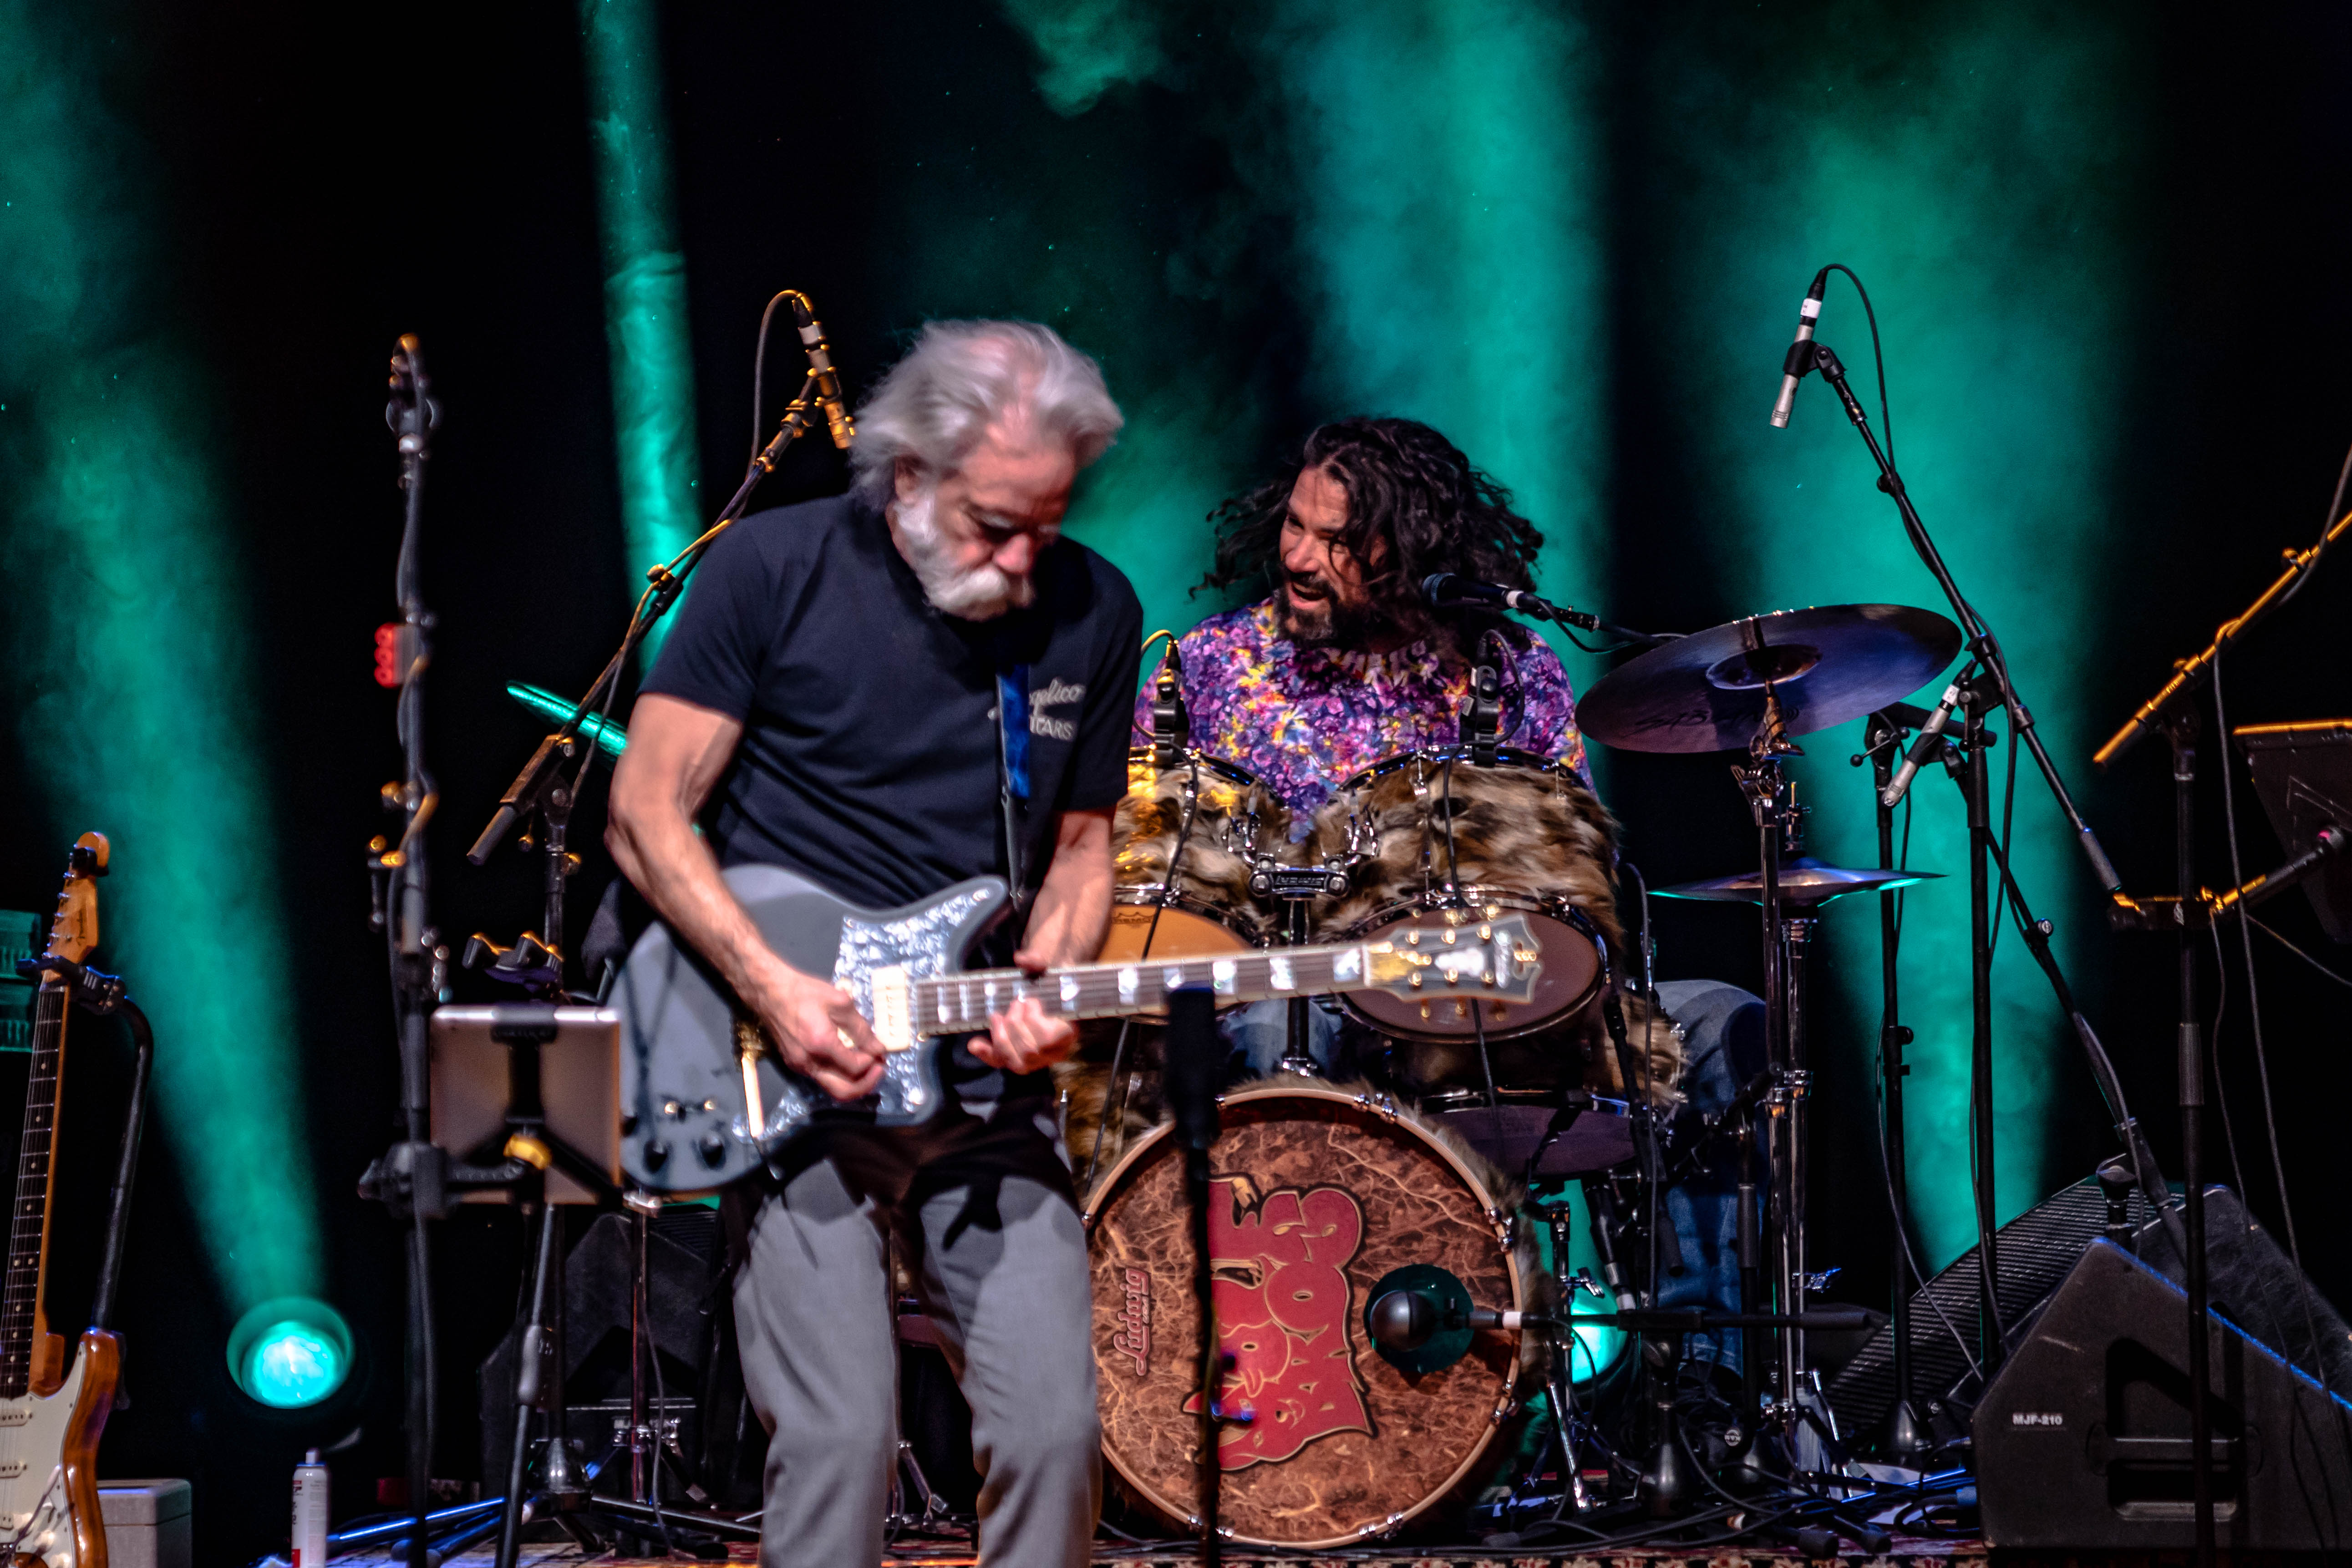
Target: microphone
<point>1923,748</point>
<point>820,359</point>
<point>1444,590</point>
<point>1792,369</point>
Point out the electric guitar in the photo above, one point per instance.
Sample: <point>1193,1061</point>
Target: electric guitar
<point>704,1102</point>
<point>51,1413</point>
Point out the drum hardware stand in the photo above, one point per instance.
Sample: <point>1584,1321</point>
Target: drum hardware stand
<point>1771,804</point>
<point>1298,887</point>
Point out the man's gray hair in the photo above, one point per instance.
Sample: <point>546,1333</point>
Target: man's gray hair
<point>960,377</point>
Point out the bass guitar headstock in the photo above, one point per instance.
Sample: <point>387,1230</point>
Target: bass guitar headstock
<point>1497,959</point>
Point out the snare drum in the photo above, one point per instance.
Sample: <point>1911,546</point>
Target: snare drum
<point>1458,844</point>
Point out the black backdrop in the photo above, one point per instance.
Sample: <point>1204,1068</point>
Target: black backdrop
<point>335,180</point>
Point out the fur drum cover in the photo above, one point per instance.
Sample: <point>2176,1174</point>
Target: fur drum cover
<point>1533,829</point>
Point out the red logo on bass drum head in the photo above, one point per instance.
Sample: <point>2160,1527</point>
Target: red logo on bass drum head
<point>1284,1312</point>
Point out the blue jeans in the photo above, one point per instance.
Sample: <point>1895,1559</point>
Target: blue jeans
<point>1260,1033</point>
<point>1723,1048</point>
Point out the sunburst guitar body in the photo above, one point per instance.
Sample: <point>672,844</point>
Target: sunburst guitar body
<point>51,1411</point>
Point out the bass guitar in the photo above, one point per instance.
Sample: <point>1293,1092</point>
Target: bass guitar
<point>51,1413</point>
<point>704,1101</point>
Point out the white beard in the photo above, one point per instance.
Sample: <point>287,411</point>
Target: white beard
<point>978,594</point>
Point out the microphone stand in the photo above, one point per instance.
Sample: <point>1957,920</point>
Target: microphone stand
<point>413,1171</point>
<point>1882,742</point>
<point>2171,710</point>
<point>539,786</point>
<point>1986,648</point>
<point>1192,1058</point>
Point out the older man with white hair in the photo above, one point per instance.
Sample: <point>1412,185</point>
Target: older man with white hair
<point>889,692</point>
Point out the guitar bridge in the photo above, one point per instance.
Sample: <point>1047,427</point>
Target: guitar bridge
<point>748,1044</point>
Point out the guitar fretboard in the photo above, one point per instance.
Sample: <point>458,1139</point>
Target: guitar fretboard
<point>961,1004</point>
<point>27,1225</point>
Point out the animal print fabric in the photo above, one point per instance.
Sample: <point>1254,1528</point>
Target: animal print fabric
<point>1306,719</point>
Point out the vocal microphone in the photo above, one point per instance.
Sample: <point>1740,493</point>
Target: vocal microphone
<point>1443,589</point>
<point>820,359</point>
<point>1930,742</point>
<point>1792,369</point>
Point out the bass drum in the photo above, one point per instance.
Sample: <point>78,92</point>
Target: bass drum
<point>1317,1193</point>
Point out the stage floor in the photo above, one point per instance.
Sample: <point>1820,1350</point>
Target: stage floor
<point>1905,1553</point>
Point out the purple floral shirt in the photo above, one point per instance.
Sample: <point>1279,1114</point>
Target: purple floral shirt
<point>1305,721</point>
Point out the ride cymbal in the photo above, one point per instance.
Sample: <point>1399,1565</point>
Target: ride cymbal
<point>1802,881</point>
<point>1706,691</point>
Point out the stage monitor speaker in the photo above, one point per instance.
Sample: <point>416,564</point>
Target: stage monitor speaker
<point>2082,1441</point>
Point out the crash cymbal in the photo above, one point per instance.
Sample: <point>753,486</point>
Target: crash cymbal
<point>1802,881</point>
<point>1706,692</point>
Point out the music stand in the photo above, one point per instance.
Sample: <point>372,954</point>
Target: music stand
<point>2303,774</point>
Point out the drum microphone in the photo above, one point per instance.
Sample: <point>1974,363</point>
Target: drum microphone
<point>1444,590</point>
<point>1792,369</point>
<point>1930,742</point>
<point>828,383</point>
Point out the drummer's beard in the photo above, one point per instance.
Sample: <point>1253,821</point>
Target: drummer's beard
<point>971,594</point>
<point>1325,622</point>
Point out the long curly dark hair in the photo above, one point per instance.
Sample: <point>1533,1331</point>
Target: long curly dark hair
<point>1414,506</point>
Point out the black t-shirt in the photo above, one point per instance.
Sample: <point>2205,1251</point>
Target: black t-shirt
<point>869,760</point>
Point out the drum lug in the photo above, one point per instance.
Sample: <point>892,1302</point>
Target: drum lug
<point>1381,1105</point>
<point>1502,1225</point>
<point>1505,1411</point>
<point>1386,1530</point>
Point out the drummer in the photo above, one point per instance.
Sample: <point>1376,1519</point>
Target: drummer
<point>1345,663</point>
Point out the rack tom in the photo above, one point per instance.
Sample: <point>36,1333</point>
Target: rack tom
<point>1459,845</point>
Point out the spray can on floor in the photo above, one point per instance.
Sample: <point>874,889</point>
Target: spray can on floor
<point>309,1512</point>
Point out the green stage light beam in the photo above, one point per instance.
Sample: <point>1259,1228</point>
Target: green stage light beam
<point>1449,175</point>
<point>130,650</point>
<point>1974,166</point>
<point>645,327</point>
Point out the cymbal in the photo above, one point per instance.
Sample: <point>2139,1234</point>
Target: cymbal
<point>1706,692</point>
<point>1802,881</point>
<point>609,737</point>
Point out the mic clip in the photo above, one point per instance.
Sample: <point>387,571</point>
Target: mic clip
<point>1482,719</point>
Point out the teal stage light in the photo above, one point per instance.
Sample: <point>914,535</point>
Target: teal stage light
<point>290,1353</point>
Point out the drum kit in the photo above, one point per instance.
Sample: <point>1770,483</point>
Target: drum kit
<point>1388,1286</point>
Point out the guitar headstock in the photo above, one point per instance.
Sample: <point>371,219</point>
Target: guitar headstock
<point>1497,959</point>
<point>74,933</point>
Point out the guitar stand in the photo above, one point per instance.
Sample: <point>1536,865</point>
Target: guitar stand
<point>102,994</point>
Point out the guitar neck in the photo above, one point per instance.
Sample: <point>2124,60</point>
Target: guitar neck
<point>961,1003</point>
<point>28,1227</point>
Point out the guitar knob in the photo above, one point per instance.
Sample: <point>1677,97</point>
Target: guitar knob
<point>656,1154</point>
<point>712,1147</point>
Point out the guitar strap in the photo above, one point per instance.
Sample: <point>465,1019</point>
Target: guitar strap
<point>1013,778</point>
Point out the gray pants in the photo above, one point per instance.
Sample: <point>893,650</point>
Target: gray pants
<point>981,1208</point>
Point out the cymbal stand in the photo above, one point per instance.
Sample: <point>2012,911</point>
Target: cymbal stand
<point>1771,803</point>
